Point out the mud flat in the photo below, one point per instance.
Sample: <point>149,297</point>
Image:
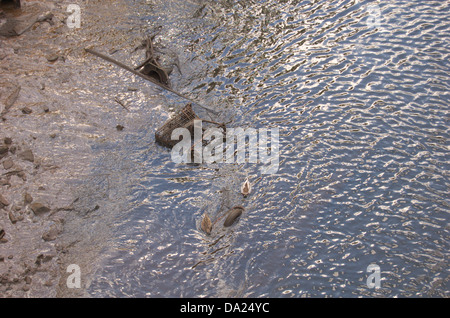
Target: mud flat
<point>46,126</point>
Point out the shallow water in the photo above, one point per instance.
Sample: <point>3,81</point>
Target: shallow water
<point>359,92</point>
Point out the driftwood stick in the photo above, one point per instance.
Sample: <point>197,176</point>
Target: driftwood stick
<point>118,101</point>
<point>109,59</point>
<point>149,50</point>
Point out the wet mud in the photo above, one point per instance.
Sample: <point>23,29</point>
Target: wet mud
<point>48,120</point>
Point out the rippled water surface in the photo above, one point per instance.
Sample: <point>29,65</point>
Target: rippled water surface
<point>360,93</point>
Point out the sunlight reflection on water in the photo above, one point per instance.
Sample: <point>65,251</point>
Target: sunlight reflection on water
<point>361,101</point>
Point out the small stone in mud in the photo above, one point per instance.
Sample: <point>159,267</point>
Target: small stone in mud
<point>22,175</point>
<point>27,110</point>
<point>8,164</point>
<point>28,280</point>
<point>46,258</point>
<point>119,127</point>
<point>26,288</point>
<point>2,233</point>
<point>39,259</point>
<point>7,141</point>
<point>27,155</point>
<point>132,89</point>
<point>39,208</point>
<point>53,135</point>
<point>48,283</point>
<point>12,149</point>
<point>3,202</point>
<point>3,150</point>
<point>52,57</point>
<point>55,229</point>
<point>46,109</point>
<point>50,235</point>
<point>27,198</point>
<point>12,217</point>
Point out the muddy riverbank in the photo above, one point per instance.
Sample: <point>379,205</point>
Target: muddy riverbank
<point>48,120</point>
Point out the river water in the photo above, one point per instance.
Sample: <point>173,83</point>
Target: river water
<point>359,91</point>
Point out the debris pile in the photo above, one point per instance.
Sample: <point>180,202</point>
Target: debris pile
<point>151,66</point>
<point>183,119</point>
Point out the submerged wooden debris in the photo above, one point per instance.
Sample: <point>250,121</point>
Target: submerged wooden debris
<point>206,224</point>
<point>246,188</point>
<point>183,119</point>
<point>148,78</point>
<point>232,215</point>
<point>151,66</point>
